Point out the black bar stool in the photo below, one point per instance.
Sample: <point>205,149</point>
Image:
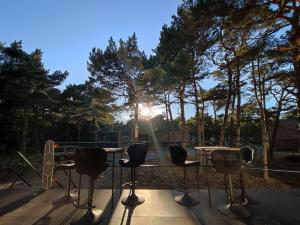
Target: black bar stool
<point>229,162</point>
<point>137,154</point>
<point>179,158</point>
<point>90,162</point>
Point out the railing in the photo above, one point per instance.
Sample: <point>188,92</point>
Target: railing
<point>156,149</point>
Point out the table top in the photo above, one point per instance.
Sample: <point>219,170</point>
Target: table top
<point>213,148</point>
<point>113,150</point>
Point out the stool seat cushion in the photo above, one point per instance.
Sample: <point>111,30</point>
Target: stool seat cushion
<point>137,155</point>
<point>188,163</point>
<point>178,155</point>
<point>90,161</point>
<point>128,163</point>
<point>65,166</point>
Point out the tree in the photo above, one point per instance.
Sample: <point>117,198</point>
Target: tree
<point>24,85</point>
<point>118,69</point>
<point>86,104</point>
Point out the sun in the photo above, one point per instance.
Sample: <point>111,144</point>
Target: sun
<point>147,111</point>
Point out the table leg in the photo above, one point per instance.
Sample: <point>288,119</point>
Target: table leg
<point>230,188</point>
<point>112,182</point>
<point>121,173</point>
<point>113,173</point>
<point>208,183</point>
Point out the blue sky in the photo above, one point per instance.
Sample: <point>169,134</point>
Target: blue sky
<point>67,30</point>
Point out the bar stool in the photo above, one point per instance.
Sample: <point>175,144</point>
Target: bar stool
<point>247,153</point>
<point>137,154</point>
<point>229,162</point>
<point>90,162</point>
<point>67,167</point>
<point>248,160</point>
<point>179,158</point>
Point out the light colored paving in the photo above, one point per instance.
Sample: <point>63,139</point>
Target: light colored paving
<point>159,208</point>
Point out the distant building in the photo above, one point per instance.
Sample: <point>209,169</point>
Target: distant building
<point>173,137</point>
<point>288,135</point>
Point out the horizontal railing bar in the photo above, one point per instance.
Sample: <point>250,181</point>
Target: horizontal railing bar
<point>273,170</point>
<point>165,142</point>
<point>252,168</point>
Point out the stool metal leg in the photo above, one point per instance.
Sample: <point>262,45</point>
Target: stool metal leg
<point>68,197</point>
<point>132,199</point>
<point>186,199</point>
<point>232,209</point>
<point>244,197</point>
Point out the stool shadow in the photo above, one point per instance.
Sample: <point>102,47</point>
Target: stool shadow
<point>19,202</point>
<point>129,216</point>
<point>46,219</point>
<point>110,206</point>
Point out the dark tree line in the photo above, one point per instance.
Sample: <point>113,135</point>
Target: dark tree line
<point>33,108</point>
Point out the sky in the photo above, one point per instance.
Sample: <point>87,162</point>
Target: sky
<point>67,30</point>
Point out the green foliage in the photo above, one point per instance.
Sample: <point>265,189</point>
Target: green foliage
<point>24,91</point>
<point>118,69</point>
<point>33,109</point>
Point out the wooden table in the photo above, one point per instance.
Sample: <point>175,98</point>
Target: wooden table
<point>207,151</point>
<point>113,151</point>
<point>212,148</point>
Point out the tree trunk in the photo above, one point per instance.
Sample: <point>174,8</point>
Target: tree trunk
<point>36,133</point>
<point>95,129</point>
<point>136,122</point>
<point>296,59</point>
<point>24,131</point>
<point>169,109</point>
<point>202,139</point>
<point>198,119</point>
<point>167,116</point>
<point>265,140</point>
<point>224,123</point>
<point>238,105</point>
<point>90,131</point>
<point>215,111</point>
<point>120,144</point>
<point>274,134</point>
<point>79,132</point>
<point>182,113</point>
<point>277,117</point>
<point>231,138</point>
<point>172,128</point>
<point>258,91</point>
<point>67,132</point>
